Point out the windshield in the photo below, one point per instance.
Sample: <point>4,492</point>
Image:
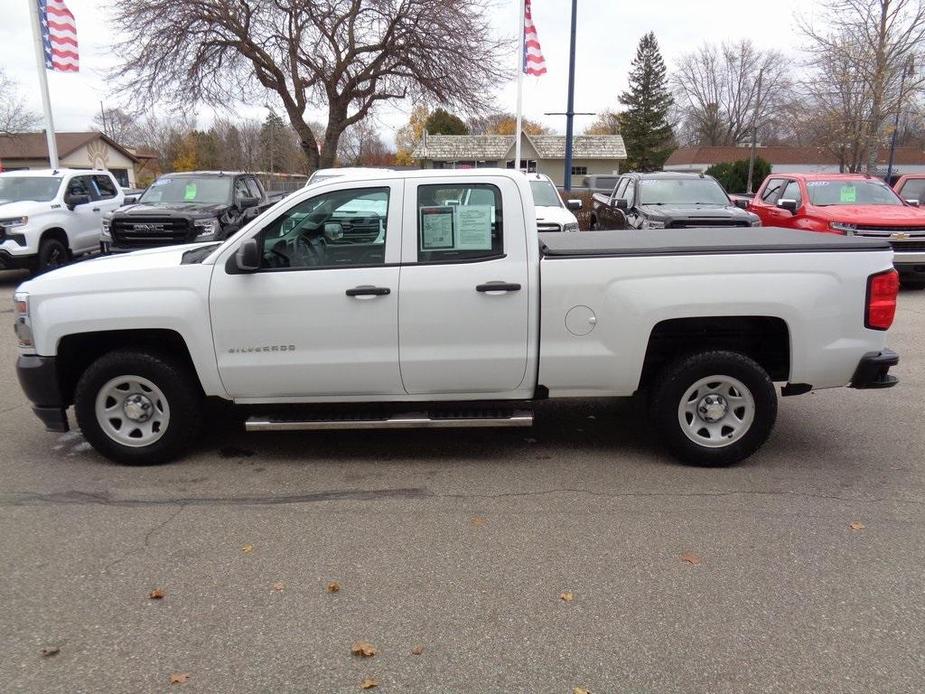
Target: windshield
<point>28,188</point>
<point>681,191</point>
<point>835,192</point>
<point>205,190</point>
<point>545,194</point>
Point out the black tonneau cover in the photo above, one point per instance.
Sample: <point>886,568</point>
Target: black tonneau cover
<point>700,242</point>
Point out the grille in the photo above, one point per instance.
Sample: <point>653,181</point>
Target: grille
<point>887,229</point>
<point>696,223</point>
<point>548,226</point>
<point>150,231</point>
<point>908,245</point>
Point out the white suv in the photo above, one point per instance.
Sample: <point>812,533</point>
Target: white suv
<point>49,216</point>
<point>551,213</point>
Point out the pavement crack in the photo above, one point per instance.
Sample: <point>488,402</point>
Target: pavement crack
<point>146,541</point>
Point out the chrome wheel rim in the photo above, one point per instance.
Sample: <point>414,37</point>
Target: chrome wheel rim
<point>716,411</point>
<point>55,258</point>
<point>132,411</point>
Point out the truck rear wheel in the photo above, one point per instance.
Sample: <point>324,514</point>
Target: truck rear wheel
<point>714,408</point>
<point>138,407</point>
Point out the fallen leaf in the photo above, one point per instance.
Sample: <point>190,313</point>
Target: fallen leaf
<point>530,440</point>
<point>279,586</point>
<point>247,549</point>
<point>50,651</point>
<point>363,648</point>
<point>333,587</point>
<point>479,521</point>
<point>580,690</point>
<point>369,683</point>
<point>417,650</point>
<point>857,525</point>
<point>156,594</point>
<point>690,558</point>
<point>179,678</point>
<point>567,596</point>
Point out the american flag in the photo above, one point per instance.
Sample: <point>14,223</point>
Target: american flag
<point>534,62</point>
<point>59,36</point>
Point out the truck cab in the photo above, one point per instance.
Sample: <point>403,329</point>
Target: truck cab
<point>48,217</point>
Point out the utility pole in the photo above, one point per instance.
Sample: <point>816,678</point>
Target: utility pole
<point>908,71</point>
<point>570,108</point>
<point>751,157</point>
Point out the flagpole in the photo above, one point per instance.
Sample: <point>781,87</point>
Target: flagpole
<point>43,82</point>
<point>520,87</point>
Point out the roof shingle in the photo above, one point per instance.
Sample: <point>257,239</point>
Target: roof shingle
<point>35,146</point>
<point>495,147</point>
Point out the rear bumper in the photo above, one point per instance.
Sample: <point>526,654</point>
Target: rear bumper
<point>873,370</point>
<point>38,377</point>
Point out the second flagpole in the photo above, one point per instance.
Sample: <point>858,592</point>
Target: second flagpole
<point>520,85</point>
<point>43,83</point>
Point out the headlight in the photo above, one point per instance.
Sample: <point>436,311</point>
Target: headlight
<point>206,229</point>
<point>12,222</point>
<point>571,226</point>
<point>23,326</point>
<point>653,224</point>
<point>756,222</point>
<point>105,234</point>
<point>843,228</point>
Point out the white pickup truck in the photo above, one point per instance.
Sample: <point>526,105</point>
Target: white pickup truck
<point>49,216</point>
<point>426,312</point>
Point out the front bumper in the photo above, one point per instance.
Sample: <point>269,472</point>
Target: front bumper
<point>15,262</point>
<point>38,377</point>
<point>873,370</point>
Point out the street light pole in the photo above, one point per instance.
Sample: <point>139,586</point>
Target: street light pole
<point>908,71</point>
<point>570,108</point>
<point>750,188</point>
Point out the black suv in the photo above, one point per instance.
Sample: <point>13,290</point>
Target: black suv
<point>666,200</point>
<point>188,207</point>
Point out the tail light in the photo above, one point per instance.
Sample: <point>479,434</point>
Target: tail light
<point>882,289</point>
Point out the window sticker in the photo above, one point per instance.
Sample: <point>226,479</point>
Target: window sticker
<point>813,184</point>
<point>437,228</point>
<point>189,192</point>
<point>160,182</point>
<point>473,227</point>
<point>848,194</point>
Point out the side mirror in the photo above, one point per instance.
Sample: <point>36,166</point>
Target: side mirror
<point>573,205</point>
<point>247,257</point>
<point>247,202</point>
<point>73,200</point>
<point>130,200</point>
<point>621,204</point>
<point>333,231</point>
<point>788,204</point>
<point>913,202</point>
<point>741,203</point>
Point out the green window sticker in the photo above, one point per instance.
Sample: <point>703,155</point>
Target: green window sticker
<point>190,192</point>
<point>848,194</point>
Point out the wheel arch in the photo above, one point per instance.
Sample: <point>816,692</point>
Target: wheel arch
<point>56,233</point>
<point>77,351</point>
<point>766,339</point>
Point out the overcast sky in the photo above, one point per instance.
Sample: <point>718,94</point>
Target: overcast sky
<point>608,31</point>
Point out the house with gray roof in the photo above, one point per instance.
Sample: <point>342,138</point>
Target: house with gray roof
<point>545,154</point>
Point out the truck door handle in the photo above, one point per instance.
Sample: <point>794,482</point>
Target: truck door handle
<point>498,287</point>
<point>96,209</point>
<point>368,290</point>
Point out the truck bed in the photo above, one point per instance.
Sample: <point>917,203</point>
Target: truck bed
<point>700,242</point>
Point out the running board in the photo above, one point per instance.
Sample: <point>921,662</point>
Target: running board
<point>412,420</point>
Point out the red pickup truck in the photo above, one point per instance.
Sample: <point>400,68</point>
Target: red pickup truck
<point>847,204</point>
<point>911,188</point>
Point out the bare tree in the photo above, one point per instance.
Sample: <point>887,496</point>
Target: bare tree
<point>872,42</point>
<point>717,92</point>
<point>15,117</point>
<point>361,145</point>
<point>118,124</point>
<point>346,56</point>
<point>607,122</point>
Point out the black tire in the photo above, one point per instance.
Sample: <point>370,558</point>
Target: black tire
<point>673,383</point>
<point>52,255</point>
<point>592,225</point>
<point>179,387</point>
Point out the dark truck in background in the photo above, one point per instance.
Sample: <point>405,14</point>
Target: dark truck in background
<point>666,200</point>
<point>186,207</point>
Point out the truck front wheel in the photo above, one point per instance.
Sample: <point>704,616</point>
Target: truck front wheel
<point>138,407</point>
<point>52,255</point>
<point>714,408</point>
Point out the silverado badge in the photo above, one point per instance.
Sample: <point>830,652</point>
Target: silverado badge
<point>900,236</point>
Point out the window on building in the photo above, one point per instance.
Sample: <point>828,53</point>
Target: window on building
<point>579,171</point>
<point>528,165</point>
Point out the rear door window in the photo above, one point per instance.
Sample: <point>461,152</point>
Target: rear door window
<point>459,222</point>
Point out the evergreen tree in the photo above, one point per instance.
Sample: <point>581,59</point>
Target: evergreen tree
<point>442,122</point>
<point>644,123</point>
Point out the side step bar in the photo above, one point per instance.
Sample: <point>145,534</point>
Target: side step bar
<point>412,420</point>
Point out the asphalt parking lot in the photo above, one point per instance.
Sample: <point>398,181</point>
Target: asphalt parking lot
<point>463,542</point>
